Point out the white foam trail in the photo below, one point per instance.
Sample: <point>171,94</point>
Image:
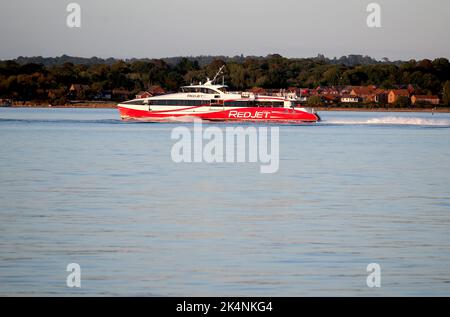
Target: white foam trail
<point>392,121</point>
<point>181,119</point>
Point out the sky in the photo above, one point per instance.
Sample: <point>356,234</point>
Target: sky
<point>164,28</point>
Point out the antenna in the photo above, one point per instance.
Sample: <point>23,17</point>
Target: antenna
<point>218,73</point>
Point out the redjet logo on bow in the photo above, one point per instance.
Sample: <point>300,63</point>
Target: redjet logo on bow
<point>249,114</point>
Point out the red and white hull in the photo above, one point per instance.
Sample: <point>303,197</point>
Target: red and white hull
<point>223,114</point>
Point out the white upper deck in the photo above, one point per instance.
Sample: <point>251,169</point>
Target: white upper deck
<point>211,91</point>
<point>206,88</point>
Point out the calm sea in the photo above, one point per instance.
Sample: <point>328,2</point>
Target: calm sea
<point>80,186</point>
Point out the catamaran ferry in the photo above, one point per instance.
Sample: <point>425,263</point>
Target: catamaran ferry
<point>213,102</point>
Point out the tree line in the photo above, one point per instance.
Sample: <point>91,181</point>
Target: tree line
<point>44,79</point>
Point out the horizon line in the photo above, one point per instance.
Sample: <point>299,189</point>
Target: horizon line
<point>319,55</point>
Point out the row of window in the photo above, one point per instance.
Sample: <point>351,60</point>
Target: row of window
<point>254,104</point>
<point>175,102</point>
<point>168,102</point>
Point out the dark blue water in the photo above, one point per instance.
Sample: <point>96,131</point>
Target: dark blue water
<point>78,185</point>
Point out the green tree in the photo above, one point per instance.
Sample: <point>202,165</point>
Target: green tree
<point>331,76</point>
<point>315,101</point>
<point>39,78</point>
<point>446,93</point>
<point>442,68</point>
<point>402,102</point>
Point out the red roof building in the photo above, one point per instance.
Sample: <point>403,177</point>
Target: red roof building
<point>143,94</point>
<point>363,92</point>
<point>397,93</point>
<point>425,99</point>
<point>156,90</point>
<point>258,91</point>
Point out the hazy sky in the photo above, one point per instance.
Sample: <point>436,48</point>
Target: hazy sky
<point>163,28</point>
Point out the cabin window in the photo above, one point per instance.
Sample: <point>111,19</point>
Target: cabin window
<point>271,103</point>
<point>217,103</point>
<point>176,102</point>
<point>190,89</point>
<point>238,104</point>
<point>198,90</point>
<point>208,91</point>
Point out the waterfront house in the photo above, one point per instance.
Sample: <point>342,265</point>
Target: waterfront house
<point>346,90</point>
<point>143,94</point>
<point>379,96</point>
<point>329,91</point>
<point>5,103</point>
<point>330,98</point>
<point>425,99</point>
<point>156,90</point>
<point>257,91</point>
<point>77,88</point>
<point>350,99</point>
<point>363,92</point>
<point>78,91</point>
<point>394,94</point>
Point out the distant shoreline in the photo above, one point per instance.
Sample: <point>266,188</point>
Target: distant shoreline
<point>94,105</point>
<point>109,105</point>
<point>368,109</point>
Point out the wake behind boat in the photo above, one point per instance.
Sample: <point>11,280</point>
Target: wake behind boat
<point>213,102</point>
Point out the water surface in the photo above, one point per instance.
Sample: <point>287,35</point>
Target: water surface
<point>79,185</point>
